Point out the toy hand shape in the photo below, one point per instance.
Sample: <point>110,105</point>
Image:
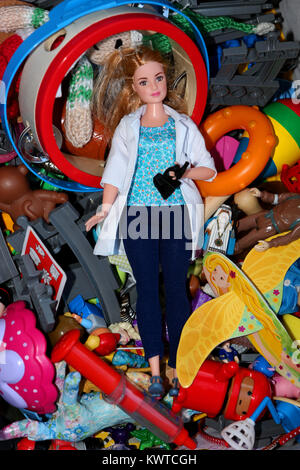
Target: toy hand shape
<point>74,420</point>
<point>167,182</point>
<point>255,192</point>
<point>98,217</point>
<point>262,245</point>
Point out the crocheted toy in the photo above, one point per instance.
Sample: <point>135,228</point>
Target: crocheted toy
<point>79,123</point>
<point>20,20</point>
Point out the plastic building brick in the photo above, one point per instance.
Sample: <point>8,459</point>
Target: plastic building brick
<point>258,84</point>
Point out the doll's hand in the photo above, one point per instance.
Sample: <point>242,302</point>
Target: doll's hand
<point>95,219</point>
<point>176,171</point>
<point>255,192</point>
<point>262,246</point>
<point>172,174</point>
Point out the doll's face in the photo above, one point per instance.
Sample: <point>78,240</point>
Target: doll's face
<point>149,82</point>
<point>220,278</point>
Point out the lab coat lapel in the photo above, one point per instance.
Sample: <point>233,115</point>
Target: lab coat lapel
<point>181,134</point>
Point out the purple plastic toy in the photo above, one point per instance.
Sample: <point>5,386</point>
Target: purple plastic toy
<point>200,298</point>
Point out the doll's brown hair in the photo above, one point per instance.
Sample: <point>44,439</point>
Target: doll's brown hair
<point>114,96</point>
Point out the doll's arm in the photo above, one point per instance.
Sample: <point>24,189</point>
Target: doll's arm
<point>110,193</point>
<point>264,245</point>
<point>201,160</point>
<point>200,173</point>
<point>286,239</point>
<point>271,198</point>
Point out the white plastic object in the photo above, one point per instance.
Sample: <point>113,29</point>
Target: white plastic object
<point>240,435</point>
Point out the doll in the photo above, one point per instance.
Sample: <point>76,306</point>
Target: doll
<point>133,101</point>
<point>283,217</point>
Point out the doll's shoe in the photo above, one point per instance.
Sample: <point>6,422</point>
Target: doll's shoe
<point>156,388</point>
<point>173,392</point>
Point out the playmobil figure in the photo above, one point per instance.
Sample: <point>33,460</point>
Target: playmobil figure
<point>219,234</point>
<point>152,138</point>
<point>87,314</point>
<point>284,217</point>
<point>210,391</point>
<point>227,353</point>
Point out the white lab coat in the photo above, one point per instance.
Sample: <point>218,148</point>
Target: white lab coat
<point>120,167</point>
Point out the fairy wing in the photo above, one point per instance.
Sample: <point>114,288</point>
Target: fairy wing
<point>208,326</point>
<point>267,270</point>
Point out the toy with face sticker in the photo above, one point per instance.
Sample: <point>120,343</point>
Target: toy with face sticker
<point>218,386</point>
<point>246,303</point>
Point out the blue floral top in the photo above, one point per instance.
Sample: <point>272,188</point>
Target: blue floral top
<point>156,152</point>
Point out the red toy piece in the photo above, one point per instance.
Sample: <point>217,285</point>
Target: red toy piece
<point>150,413</point>
<point>211,391</point>
<point>290,176</point>
<point>58,444</point>
<point>26,444</point>
<point>108,341</point>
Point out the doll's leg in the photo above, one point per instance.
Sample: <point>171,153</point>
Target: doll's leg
<point>175,258</point>
<point>142,254</point>
<point>143,258</point>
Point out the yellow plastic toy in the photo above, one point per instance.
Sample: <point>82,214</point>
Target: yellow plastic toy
<point>240,309</point>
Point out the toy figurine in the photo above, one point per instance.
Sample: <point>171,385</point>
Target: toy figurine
<point>17,198</point>
<point>227,353</point>
<point>87,314</point>
<point>148,140</point>
<point>210,391</point>
<point>219,234</point>
<point>284,217</point>
<point>246,303</point>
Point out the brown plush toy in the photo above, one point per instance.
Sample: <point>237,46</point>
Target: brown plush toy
<point>17,198</point>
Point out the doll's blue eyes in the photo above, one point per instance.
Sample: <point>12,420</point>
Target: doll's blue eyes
<point>158,79</point>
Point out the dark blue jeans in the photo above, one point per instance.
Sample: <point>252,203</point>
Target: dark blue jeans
<point>151,243</point>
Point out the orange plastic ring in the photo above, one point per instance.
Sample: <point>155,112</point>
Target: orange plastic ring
<point>262,141</point>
